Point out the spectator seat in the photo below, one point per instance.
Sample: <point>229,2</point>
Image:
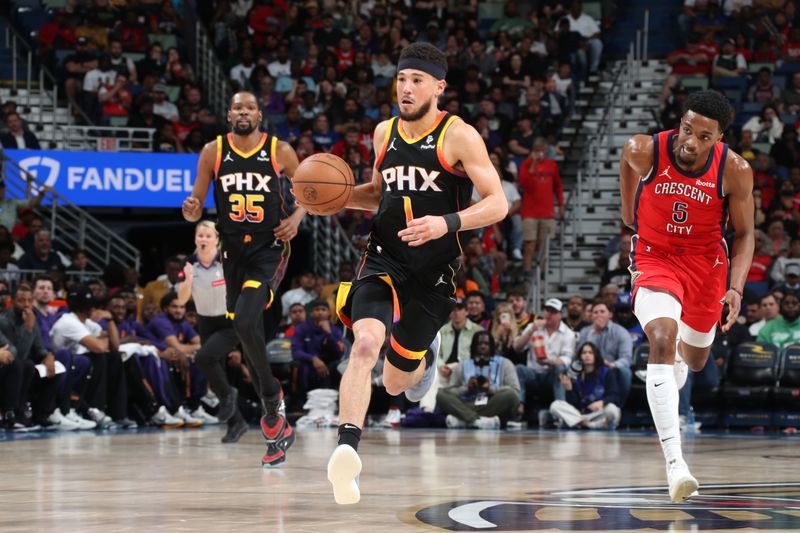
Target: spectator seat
<point>786,398</point>
<point>787,393</point>
<point>749,384</point>
<point>694,84</point>
<point>737,83</point>
<point>753,68</point>
<point>788,68</point>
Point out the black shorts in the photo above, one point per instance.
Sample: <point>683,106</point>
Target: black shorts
<point>248,260</point>
<point>412,305</point>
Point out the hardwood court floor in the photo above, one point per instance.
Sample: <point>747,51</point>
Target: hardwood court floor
<point>185,480</point>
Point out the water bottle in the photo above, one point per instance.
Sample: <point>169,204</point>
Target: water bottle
<point>691,427</point>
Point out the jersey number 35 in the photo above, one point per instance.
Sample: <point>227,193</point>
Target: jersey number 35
<point>243,207</point>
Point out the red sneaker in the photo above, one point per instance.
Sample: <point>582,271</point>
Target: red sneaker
<point>273,428</point>
<point>274,456</point>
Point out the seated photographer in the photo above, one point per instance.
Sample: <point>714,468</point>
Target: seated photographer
<point>485,390</point>
<point>592,395</point>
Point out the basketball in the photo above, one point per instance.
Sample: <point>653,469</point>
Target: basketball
<point>323,184</point>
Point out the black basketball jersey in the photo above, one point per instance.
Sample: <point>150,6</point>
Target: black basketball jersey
<point>417,181</point>
<point>247,192</point>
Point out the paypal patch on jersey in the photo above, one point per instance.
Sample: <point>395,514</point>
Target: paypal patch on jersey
<point>113,179</point>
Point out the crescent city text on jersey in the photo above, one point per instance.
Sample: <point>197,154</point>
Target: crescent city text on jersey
<point>683,189</point>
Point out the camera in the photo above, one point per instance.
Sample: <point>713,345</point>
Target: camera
<point>574,369</point>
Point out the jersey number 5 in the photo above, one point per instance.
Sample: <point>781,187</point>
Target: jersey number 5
<point>243,207</point>
<point>679,213</point>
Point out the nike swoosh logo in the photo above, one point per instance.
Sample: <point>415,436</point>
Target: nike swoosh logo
<point>668,438</point>
<point>350,426</point>
<point>659,384</point>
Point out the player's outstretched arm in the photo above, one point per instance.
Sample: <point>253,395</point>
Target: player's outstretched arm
<point>287,162</point>
<point>193,205</point>
<point>634,163</point>
<point>464,144</point>
<point>367,196</point>
<point>737,183</point>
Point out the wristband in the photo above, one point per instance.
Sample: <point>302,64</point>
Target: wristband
<point>453,222</point>
<point>737,291</point>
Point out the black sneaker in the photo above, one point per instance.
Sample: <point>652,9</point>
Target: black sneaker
<point>227,406</point>
<point>235,432</point>
<point>126,423</point>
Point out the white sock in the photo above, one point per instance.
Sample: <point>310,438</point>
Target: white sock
<point>662,395</point>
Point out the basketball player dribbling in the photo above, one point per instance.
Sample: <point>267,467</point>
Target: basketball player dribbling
<point>678,189</point>
<point>254,229</point>
<point>426,164</point>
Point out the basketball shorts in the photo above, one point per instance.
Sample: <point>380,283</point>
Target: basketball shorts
<point>251,260</point>
<point>698,282</point>
<point>412,305</point>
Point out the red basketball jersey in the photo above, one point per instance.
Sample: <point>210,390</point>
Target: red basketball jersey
<point>679,212</point>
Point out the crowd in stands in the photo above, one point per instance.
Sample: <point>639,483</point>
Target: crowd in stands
<point>750,53</point>
<point>324,78</point>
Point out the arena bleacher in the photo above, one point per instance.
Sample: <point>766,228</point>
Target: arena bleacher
<point>113,81</point>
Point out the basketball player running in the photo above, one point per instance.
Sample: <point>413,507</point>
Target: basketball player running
<point>255,231</point>
<point>677,188</point>
<point>426,164</point>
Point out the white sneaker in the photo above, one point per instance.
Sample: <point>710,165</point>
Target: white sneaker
<point>344,467</point>
<point>393,418</point>
<point>82,422</point>
<point>516,254</point>
<point>453,422</point>
<point>681,482</point>
<point>685,427</point>
<point>680,368</point>
<point>488,422</point>
<point>201,414</point>
<point>210,399</point>
<point>61,423</point>
<point>188,420</point>
<point>102,420</point>
<point>164,419</point>
<point>418,391</point>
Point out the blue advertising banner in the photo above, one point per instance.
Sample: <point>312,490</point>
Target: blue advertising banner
<point>114,179</point>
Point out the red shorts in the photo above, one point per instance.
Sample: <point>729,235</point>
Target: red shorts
<point>699,282</point>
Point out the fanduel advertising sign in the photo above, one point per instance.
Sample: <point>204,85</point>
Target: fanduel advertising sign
<point>114,179</point>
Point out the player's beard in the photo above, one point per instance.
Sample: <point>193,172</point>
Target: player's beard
<point>418,114</point>
<point>244,131</point>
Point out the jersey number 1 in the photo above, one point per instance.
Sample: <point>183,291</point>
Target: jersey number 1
<point>243,207</point>
<point>679,213</point>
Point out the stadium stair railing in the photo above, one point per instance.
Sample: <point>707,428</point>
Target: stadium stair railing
<point>70,226</point>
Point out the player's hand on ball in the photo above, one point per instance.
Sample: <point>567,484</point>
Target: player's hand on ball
<point>287,229</point>
<point>421,230</point>
<point>191,209</point>
<point>734,302</point>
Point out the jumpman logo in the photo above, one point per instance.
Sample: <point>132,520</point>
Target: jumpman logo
<point>441,281</point>
<point>228,158</point>
<point>666,173</point>
<point>717,262</point>
<point>392,146</point>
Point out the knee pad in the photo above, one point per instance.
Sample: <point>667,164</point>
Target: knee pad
<point>649,305</point>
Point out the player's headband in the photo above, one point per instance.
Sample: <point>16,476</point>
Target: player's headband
<point>425,66</point>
